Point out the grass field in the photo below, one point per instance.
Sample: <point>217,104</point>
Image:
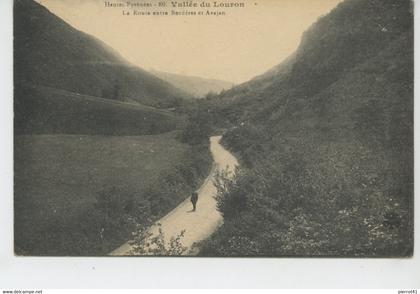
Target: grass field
<point>45,110</point>
<point>74,193</point>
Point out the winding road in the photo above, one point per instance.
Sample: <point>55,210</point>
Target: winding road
<point>200,224</point>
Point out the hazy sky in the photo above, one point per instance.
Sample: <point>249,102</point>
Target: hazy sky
<point>236,47</point>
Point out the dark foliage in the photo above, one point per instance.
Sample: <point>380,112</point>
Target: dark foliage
<point>198,128</point>
<point>326,141</point>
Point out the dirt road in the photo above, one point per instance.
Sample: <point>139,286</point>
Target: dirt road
<point>205,220</point>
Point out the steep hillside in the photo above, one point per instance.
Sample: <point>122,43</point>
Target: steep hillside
<point>49,52</point>
<point>327,142</point>
<point>196,86</point>
<point>328,49</point>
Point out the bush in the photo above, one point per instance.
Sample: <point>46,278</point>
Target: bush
<point>339,202</point>
<point>198,129</point>
<point>146,243</point>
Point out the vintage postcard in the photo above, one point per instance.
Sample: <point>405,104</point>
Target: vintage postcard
<point>230,128</point>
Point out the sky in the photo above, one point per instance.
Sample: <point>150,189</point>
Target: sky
<point>235,47</point>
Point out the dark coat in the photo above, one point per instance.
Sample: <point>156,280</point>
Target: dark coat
<point>194,197</point>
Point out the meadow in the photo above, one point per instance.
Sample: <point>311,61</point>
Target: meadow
<point>46,110</point>
<point>82,195</point>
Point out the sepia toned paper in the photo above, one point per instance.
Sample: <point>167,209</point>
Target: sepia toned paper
<point>213,128</point>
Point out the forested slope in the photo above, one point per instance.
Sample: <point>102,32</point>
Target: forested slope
<point>327,142</point>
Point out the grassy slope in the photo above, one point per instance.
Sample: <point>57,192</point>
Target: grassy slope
<point>43,110</point>
<point>62,181</point>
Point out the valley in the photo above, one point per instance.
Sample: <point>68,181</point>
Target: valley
<point>106,152</point>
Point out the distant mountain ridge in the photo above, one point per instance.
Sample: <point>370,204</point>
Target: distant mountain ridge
<point>196,86</point>
<point>50,52</point>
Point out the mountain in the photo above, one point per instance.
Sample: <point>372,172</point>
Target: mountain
<point>326,53</point>
<point>326,141</point>
<point>196,86</point>
<point>49,52</point>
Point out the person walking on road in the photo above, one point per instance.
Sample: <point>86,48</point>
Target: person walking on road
<point>194,199</point>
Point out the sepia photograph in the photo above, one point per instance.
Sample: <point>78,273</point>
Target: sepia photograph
<point>230,128</point>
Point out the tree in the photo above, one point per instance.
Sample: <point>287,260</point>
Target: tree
<point>116,92</point>
<point>113,92</point>
<point>198,128</point>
